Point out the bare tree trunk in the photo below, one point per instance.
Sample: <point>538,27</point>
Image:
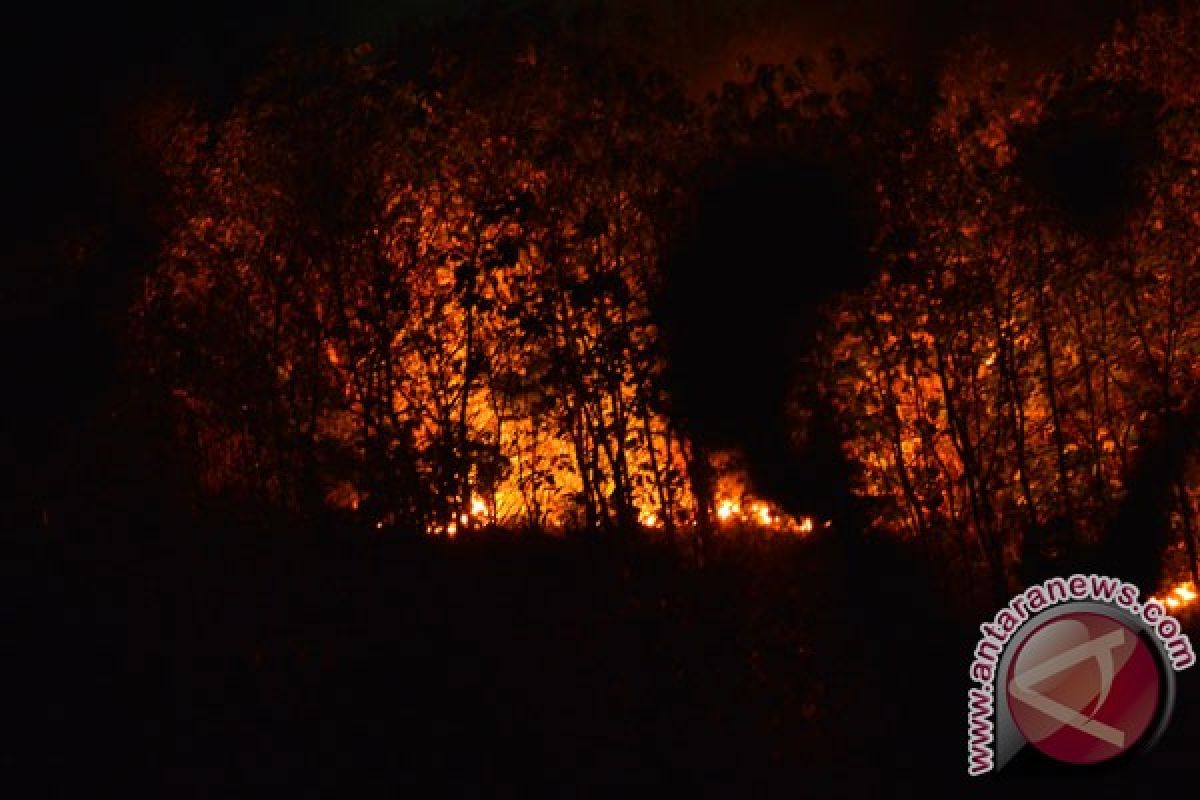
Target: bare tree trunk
<point>700,475</point>
<point>1189,528</point>
<point>989,543</point>
<point>664,501</point>
<point>1050,383</point>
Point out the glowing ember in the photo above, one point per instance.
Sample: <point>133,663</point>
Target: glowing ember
<point>761,515</point>
<point>1180,596</point>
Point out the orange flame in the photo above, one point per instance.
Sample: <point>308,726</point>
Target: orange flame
<point>1179,596</point>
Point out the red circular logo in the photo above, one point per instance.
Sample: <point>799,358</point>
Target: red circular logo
<point>1083,688</point>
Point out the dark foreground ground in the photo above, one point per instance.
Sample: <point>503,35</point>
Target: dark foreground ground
<point>212,664</point>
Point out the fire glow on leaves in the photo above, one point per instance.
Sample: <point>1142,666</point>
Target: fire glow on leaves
<point>433,311</point>
<point>432,306</point>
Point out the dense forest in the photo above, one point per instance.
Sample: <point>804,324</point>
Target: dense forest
<point>438,297</point>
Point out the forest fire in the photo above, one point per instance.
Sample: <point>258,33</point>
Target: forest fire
<point>456,307</point>
<point>474,393</point>
<point>478,516</point>
<point>756,514</point>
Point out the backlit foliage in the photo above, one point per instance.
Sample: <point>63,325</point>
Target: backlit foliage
<point>427,298</point>
<point>1001,372</point>
<point>431,306</point>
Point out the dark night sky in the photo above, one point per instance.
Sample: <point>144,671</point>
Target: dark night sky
<point>71,71</point>
<point>73,51</point>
